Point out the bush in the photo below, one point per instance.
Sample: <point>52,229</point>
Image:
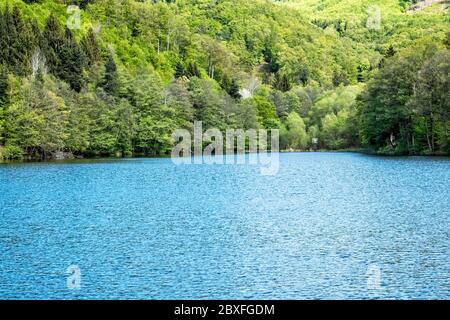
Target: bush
<point>11,153</point>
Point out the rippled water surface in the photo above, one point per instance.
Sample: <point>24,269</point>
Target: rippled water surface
<point>324,227</point>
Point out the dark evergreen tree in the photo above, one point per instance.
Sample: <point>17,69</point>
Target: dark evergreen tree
<point>37,34</point>
<point>91,48</point>
<point>110,81</point>
<point>17,41</point>
<point>3,85</point>
<point>179,70</point>
<point>70,67</point>
<point>361,74</point>
<point>8,38</point>
<point>23,45</point>
<point>281,82</point>
<point>3,100</point>
<point>269,55</point>
<point>230,86</point>
<point>390,52</point>
<point>4,43</point>
<point>447,40</point>
<point>82,3</point>
<point>54,39</point>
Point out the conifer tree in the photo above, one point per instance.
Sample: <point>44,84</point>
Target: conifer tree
<point>360,74</point>
<point>110,81</point>
<point>16,41</point>
<point>91,48</point>
<point>37,34</point>
<point>281,82</point>
<point>8,34</point>
<point>70,68</point>
<point>179,70</point>
<point>4,45</point>
<point>54,39</point>
<point>230,86</point>
<point>390,52</point>
<point>16,29</point>
<point>23,43</point>
<point>3,84</point>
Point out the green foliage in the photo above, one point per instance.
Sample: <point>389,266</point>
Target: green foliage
<point>53,43</point>
<point>207,101</point>
<point>70,67</point>
<point>281,82</point>
<point>411,86</point>
<point>3,101</point>
<point>431,100</point>
<point>36,118</point>
<point>293,133</point>
<point>338,131</point>
<point>230,86</point>
<point>16,40</point>
<point>246,115</point>
<point>3,85</point>
<point>91,48</point>
<point>137,70</point>
<point>267,116</point>
<point>110,81</point>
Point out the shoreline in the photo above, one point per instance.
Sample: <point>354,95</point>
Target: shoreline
<point>76,159</point>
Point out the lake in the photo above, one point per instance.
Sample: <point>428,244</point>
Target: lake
<point>327,226</point>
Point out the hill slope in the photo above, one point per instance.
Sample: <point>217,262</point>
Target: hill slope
<point>127,73</point>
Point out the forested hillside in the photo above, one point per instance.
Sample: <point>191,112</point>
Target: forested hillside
<point>118,81</point>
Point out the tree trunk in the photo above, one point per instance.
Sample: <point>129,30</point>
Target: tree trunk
<point>392,140</point>
<point>428,136</point>
<point>432,134</point>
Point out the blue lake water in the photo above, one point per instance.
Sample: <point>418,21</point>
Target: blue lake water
<point>327,226</point>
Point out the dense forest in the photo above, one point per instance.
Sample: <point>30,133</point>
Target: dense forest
<point>330,74</point>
